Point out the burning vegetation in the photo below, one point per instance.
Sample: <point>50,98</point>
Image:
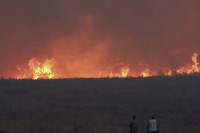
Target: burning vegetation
<point>46,70</point>
<point>190,69</point>
<point>37,70</point>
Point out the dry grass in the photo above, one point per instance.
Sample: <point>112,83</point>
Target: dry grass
<point>99,105</point>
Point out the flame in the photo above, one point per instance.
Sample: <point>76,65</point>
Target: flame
<point>169,73</point>
<point>190,69</point>
<point>195,66</point>
<point>146,73</point>
<point>123,72</point>
<point>37,70</point>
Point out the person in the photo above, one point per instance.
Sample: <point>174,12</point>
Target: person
<point>152,126</point>
<point>133,125</point>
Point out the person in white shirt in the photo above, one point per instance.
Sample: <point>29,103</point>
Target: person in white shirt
<point>152,126</point>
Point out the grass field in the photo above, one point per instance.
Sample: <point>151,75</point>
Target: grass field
<point>99,105</point>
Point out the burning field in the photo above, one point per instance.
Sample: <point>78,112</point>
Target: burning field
<point>97,39</point>
<point>85,66</point>
<point>47,70</point>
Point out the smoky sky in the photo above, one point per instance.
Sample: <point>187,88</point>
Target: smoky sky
<point>98,33</point>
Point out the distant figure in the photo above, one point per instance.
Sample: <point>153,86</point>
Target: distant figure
<point>133,125</point>
<point>152,126</point>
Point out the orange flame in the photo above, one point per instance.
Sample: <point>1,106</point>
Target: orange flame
<point>37,70</point>
<point>169,73</point>
<point>124,71</point>
<point>146,73</point>
<point>191,69</point>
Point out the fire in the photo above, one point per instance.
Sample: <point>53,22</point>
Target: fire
<point>145,73</point>
<point>122,72</point>
<point>169,73</point>
<point>195,66</point>
<point>37,70</point>
<point>190,69</point>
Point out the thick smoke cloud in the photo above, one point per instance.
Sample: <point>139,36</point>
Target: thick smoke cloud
<point>86,36</point>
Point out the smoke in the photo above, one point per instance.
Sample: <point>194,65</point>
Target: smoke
<point>88,37</point>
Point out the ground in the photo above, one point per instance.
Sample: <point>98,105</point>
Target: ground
<point>99,105</point>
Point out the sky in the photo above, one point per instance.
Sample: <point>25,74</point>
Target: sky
<point>86,37</point>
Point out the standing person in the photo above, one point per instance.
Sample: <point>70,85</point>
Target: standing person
<point>133,125</point>
<point>152,126</point>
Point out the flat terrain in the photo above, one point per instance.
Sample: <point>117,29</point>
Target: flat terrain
<point>99,105</point>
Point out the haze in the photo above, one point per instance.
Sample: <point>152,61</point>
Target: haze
<point>86,37</point>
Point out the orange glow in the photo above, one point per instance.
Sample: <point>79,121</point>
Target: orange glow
<point>124,71</point>
<point>190,69</point>
<point>37,70</point>
<point>169,73</point>
<point>122,74</point>
<point>146,73</point>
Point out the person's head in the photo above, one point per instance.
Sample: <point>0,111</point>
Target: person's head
<point>153,117</point>
<point>133,117</point>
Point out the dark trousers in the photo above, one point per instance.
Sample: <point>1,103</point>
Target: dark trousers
<point>135,131</point>
<point>154,132</point>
